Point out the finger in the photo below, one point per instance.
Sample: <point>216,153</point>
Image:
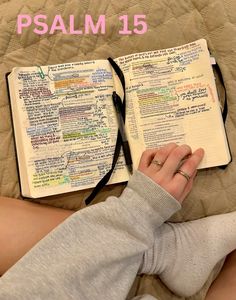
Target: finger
<point>149,154</point>
<point>188,187</point>
<point>161,156</point>
<point>189,167</point>
<point>174,160</point>
<point>181,192</point>
<point>146,158</point>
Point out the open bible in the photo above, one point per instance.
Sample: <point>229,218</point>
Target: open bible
<point>65,124</point>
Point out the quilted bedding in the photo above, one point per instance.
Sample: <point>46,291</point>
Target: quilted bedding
<point>170,23</point>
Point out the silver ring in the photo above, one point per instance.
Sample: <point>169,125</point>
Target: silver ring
<point>157,163</point>
<point>181,172</point>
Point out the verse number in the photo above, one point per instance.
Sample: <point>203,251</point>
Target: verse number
<point>140,25</point>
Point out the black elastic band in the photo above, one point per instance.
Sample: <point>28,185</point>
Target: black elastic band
<point>122,80</point>
<point>106,178</point>
<point>225,109</point>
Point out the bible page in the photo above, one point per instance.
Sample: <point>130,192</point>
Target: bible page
<point>173,98</point>
<point>66,127</point>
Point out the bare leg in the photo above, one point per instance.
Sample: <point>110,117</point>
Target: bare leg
<point>22,225</point>
<point>224,287</point>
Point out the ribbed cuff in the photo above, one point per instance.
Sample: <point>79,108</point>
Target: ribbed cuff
<point>159,199</point>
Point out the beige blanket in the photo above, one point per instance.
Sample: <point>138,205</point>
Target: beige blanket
<point>170,23</point>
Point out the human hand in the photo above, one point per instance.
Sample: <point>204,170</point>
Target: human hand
<point>173,167</point>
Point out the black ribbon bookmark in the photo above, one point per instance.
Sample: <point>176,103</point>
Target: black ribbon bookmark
<point>118,146</point>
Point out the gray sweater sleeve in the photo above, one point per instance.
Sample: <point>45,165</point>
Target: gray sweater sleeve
<point>96,252</point>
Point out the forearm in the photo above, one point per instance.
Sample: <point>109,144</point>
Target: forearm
<point>22,225</point>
